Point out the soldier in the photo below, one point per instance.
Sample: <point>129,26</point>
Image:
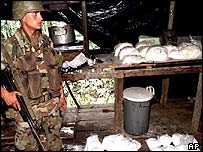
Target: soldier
<point>34,58</point>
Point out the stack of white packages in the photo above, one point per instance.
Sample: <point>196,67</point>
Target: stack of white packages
<point>111,143</point>
<point>176,142</point>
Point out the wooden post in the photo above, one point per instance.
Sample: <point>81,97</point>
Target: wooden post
<point>197,106</point>
<point>165,82</point>
<point>85,34</point>
<point>164,92</point>
<point>118,107</point>
<point>171,15</point>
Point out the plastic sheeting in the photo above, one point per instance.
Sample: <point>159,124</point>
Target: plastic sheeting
<point>111,22</point>
<point>114,21</point>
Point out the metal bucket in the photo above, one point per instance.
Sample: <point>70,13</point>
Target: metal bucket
<point>62,35</point>
<point>137,110</point>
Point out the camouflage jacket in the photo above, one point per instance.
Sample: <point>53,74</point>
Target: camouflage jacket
<point>37,61</point>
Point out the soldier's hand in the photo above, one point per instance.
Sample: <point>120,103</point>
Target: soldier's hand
<point>11,100</point>
<point>63,104</point>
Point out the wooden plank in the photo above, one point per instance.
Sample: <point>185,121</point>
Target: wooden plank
<point>118,65</point>
<point>67,119</point>
<point>69,116</point>
<point>133,72</point>
<point>93,125</point>
<point>95,107</point>
<point>121,66</point>
<point>95,116</point>
<point>163,71</point>
<point>97,110</point>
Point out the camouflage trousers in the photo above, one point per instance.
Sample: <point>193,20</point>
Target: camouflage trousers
<point>51,124</point>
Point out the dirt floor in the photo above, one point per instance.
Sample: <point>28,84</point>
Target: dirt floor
<point>99,119</point>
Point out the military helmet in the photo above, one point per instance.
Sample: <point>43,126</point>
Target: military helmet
<point>20,8</point>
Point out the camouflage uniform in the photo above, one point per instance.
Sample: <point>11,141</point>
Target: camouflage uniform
<point>38,63</point>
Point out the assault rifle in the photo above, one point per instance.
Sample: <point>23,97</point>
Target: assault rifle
<point>9,84</point>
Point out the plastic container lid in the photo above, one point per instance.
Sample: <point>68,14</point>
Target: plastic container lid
<point>137,94</point>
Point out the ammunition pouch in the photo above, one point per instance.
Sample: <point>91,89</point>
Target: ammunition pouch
<point>34,84</point>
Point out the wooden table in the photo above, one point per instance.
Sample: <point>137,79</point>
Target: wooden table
<point>112,68</point>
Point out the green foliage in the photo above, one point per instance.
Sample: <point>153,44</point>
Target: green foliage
<point>8,28</point>
<point>93,91</point>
